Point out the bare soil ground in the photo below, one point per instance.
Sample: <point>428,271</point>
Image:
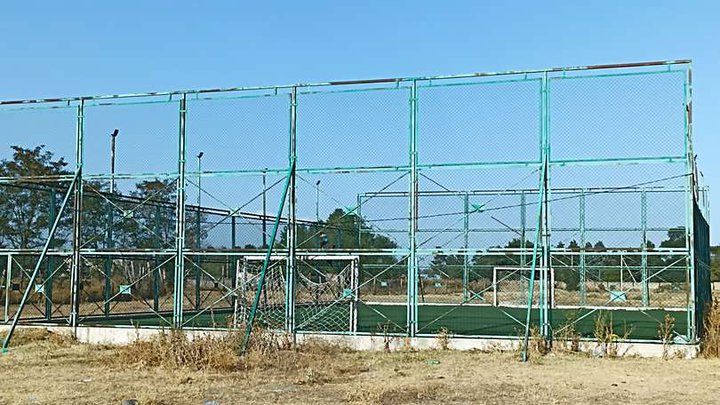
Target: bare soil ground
<point>45,368</point>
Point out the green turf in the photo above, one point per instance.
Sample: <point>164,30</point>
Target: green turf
<point>496,321</point>
<point>459,320</point>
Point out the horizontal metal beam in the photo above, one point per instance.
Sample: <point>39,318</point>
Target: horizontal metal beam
<point>397,80</point>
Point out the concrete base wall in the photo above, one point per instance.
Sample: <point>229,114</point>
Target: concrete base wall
<point>125,335</point>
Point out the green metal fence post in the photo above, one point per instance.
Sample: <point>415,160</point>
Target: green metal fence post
<point>583,269</point>
<point>198,237</point>
<point>643,258</point>
<point>546,268</point>
<point>179,276</point>
<point>8,281</point>
<point>412,270</point>
<point>466,240</point>
<point>359,221</point>
<point>292,223</point>
<point>157,270</point>
<point>691,189</point>
<point>50,268</point>
<point>533,267</point>
<point>77,216</point>
<point>523,229</point>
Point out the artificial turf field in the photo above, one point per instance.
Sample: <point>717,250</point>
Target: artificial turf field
<point>458,320</point>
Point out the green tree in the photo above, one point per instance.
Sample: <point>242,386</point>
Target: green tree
<point>341,232</point>
<point>450,266</point>
<point>25,204</point>
<point>675,238</point>
<point>715,263</point>
<point>153,224</point>
<point>482,265</point>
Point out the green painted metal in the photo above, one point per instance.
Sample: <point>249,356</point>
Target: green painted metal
<point>691,194</point>
<point>533,268</point>
<point>412,266</point>
<point>198,236</point>
<point>466,244</point>
<point>184,93</point>
<point>36,270</point>
<point>179,276</point>
<point>643,260</point>
<point>77,215</point>
<point>583,267</point>
<point>546,260</point>
<point>266,261</point>
<point>291,270</point>
<point>413,251</point>
<point>50,267</point>
<point>523,226</point>
<point>8,280</point>
<point>377,169</point>
<point>156,260</point>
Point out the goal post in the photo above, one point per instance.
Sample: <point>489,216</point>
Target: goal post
<point>325,293</point>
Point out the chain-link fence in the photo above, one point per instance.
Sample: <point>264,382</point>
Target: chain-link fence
<point>366,207</point>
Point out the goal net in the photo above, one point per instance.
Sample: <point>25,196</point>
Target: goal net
<point>325,292</point>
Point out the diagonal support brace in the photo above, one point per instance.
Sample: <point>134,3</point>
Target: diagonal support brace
<point>271,245</point>
<point>36,270</point>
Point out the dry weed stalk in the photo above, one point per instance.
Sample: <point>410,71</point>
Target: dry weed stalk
<point>711,340</point>
<point>665,333</point>
<point>567,338</point>
<point>443,338</point>
<point>608,341</point>
<point>221,352</point>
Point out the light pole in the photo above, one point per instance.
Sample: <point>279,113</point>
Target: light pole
<point>199,178</point>
<point>317,201</point>
<point>107,291</point>
<point>113,136</point>
<point>264,211</point>
<point>317,212</point>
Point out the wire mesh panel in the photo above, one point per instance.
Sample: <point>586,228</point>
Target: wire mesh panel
<point>345,128</point>
<point>472,121</point>
<point>49,297</point>
<point>146,140</point>
<point>46,131</point>
<point>618,116</point>
<point>407,206</point>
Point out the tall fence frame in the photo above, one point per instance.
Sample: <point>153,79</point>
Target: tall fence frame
<point>308,274</point>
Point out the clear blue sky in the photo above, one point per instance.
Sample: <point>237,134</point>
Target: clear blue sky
<point>86,47</point>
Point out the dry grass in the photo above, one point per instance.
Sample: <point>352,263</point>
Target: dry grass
<point>51,369</point>
<point>711,340</point>
<point>607,339</point>
<point>24,336</point>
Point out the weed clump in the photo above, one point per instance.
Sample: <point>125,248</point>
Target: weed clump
<point>223,352</point>
<point>25,336</point>
<point>174,349</point>
<point>710,346</point>
<point>608,341</point>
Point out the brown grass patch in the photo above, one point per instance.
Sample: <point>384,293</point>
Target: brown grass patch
<point>24,336</point>
<point>319,373</point>
<point>383,394</point>
<point>710,346</point>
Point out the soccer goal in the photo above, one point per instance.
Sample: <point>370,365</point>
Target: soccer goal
<point>325,292</point>
<point>511,286</point>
